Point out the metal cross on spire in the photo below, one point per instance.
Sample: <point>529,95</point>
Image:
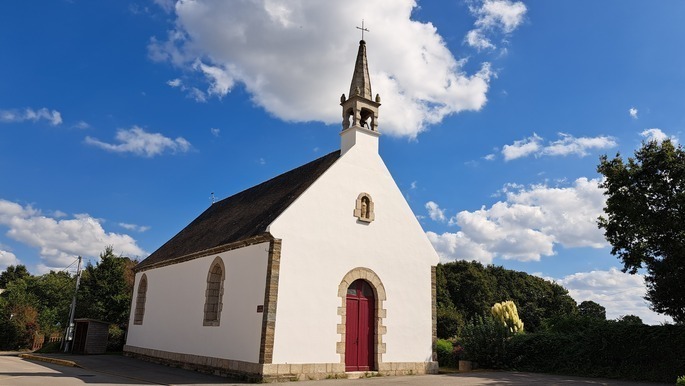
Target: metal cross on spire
<point>363,29</point>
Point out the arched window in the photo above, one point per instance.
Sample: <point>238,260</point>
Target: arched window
<point>364,208</point>
<point>214,293</point>
<point>140,301</point>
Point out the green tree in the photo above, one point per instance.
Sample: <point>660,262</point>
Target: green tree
<point>467,290</point>
<point>630,319</point>
<point>471,290</point>
<point>18,314</point>
<point>34,304</point>
<point>645,220</point>
<point>13,273</point>
<point>106,288</point>
<point>592,310</point>
<point>537,299</point>
<point>53,292</point>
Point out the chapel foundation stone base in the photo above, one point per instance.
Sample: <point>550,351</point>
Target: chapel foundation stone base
<point>256,372</point>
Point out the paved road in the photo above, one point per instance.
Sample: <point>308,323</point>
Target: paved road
<point>117,370</point>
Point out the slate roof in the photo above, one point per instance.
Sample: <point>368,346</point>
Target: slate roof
<point>243,215</point>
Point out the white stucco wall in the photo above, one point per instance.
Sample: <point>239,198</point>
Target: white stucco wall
<point>174,309</point>
<point>322,241</point>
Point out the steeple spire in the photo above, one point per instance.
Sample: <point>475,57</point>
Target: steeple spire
<point>360,77</point>
<point>360,111</point>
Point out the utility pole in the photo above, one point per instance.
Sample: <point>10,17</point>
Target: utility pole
<point>69,336</point>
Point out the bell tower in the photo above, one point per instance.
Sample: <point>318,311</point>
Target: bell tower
<point>359,111</point>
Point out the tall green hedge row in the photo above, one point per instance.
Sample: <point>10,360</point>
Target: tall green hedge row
<point>611,350</point>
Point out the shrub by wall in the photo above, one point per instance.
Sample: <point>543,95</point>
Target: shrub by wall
<point>485,342</point>
<point>608,349</point>
<point>445,349</point>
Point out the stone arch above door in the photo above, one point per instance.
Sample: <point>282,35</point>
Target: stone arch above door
<point>380,296</point>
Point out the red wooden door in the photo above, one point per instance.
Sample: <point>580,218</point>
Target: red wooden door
<point>359,334</point>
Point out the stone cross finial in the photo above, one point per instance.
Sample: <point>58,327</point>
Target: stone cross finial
<point>363,29</point>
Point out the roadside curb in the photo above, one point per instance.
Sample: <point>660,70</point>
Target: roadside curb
<point>57,361</point>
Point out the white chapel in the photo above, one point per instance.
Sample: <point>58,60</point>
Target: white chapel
<point>319,272</point>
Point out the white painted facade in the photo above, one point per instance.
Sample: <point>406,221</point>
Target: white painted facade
<point>323,241</point>
<point>174,307</point>
<point>313,244</point>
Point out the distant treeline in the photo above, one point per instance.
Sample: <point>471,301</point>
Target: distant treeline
<point>467,290</point>
<point>39,304</point>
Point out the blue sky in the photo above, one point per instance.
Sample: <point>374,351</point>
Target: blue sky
<point>119,118</point>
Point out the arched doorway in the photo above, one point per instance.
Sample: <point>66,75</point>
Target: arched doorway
<point>360,327</point>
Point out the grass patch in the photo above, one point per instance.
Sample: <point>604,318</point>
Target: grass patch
<point>50,348</point>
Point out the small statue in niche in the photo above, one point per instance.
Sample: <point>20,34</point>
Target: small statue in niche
<point>365,207</point>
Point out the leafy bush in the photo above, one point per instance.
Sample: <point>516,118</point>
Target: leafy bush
<point>606,349</point>
<point>450,322</point>
<point>444,349</point>
<point>680,381</point>
<point>485,342</point>
<point>116,338</point>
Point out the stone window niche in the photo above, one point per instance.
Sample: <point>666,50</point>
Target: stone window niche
<point>363,210</point>
<point>139,312</point>
<point>214,293</point>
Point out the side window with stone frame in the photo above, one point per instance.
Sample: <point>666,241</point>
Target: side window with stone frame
<point>363,210</point>
<point>214,293</point>
<point>139,312</point>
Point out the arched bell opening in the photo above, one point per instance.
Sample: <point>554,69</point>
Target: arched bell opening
<point>367,119</point>
<point>347,118</point>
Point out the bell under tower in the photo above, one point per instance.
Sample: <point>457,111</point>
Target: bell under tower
<point>360,111</point>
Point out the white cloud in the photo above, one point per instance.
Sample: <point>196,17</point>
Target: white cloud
<point>566,145</point>
<point>215,132</point>
<point>166,5</point>
<point>633,112</point>
<point>503,14</point>
<point>657,135</point>
<point>174,82</point>
<point>528,224</point>
<point>569,144</point>
<point>522,148</point>
<point>489,157</point>
<point>54,117</point>
<point>220,82</point>
<point>82,125</point>
<point>475,38</point>
<point>413,185</point>
<point>434,211</point>
<point>134,227</point>
<point>456,246</point>
<point>139,142</point>
<point>494,16</point>
<point>296,58</point>
<point>61,240</point>
<point>194,92</point>
<point>620,293</point>
<point>7,259</point>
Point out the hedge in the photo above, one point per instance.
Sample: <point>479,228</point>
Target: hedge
<point>610,350</point>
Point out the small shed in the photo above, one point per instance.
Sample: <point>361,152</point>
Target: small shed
<point>90,336</point>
